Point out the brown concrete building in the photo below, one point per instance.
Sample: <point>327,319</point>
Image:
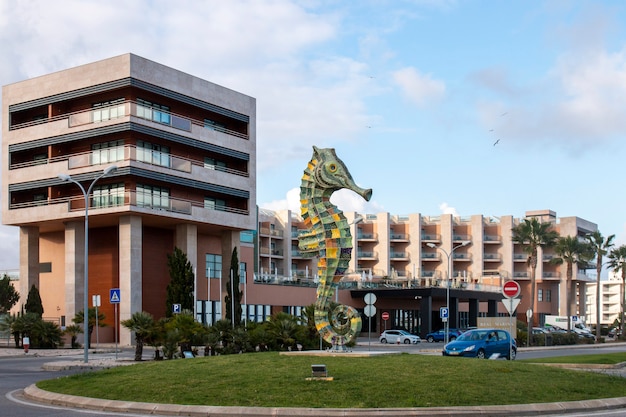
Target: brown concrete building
<point>185,152</point>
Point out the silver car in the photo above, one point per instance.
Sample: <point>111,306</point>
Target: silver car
<point>398,336</point>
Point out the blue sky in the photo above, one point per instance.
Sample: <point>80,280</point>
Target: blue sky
<point>412,94</point>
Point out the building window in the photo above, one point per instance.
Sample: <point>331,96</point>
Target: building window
<point>153,154</point>
<point>548,295</point>
<point>45,267</point>
<point>213,125</point>
<point>152,111</point>
<point>213,264</point>
<point>39,199</point>
<point>107,152</point>
<point>539,294</point>
<point>108,195</point>
<point>153,197</point>
<point>108,110</point>
<point>247,236</point>
<point>214,203</point>
<point>212,163</point>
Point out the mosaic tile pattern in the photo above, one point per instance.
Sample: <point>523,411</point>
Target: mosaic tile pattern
<point>328,237</point>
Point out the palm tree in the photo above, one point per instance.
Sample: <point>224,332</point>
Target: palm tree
<point>600,248</point>
<point>571,251</point>
<point>91,321</point>
<point>73,330</point>
<point>142,324</point>
<point>532,234</point>
<point>617,262</point>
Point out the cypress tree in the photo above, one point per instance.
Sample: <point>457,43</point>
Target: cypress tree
<point>33,302</point>
<point>8,295</point>
<point>234,285</point>
<point>181,286</point>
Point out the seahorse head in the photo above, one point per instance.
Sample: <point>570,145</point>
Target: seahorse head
<point>331,174</point>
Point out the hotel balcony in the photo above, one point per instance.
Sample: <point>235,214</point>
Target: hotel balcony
<point>492,257</point>
<point>492,239</point>
<point>431,256</point>
<point>398,237</point>
<point>399,256</point>
<point>431,238</point>
<point>365,255</point>
<point>367,237</point>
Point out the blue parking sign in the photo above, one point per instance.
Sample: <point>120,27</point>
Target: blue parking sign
<point>443,313</point>
<point>176,308</point>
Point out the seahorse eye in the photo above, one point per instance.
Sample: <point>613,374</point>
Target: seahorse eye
<point>332,168</point>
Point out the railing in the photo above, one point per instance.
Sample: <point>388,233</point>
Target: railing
<point>364,255</point>
<point>128,153</point>
<point>492,238</point>
<point>461,256</point>
<point>398,236</point>
<point>366,236</point>
<point>551,275</point>
<point>128,198</point>
<point>431,237</point>
<point>266,231</point>
<point>492,257</point>
<point>399,255</point>
<point>520,275</point>
<point>129,108</point>
<point>460,238</point>
<point>520,257</point>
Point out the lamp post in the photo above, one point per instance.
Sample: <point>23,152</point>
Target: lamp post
<point>66,177</point>
<point>449,256</point>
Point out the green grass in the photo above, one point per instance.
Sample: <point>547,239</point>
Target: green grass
<point>272,380</point>
<point>599,359</point>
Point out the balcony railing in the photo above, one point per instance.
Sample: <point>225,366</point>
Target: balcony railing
<point>492,239</point>
<point>398,236</point>
<point>129,108</point>
<point>399,255</point>
<point>492,257</point>
<point>366,236</point>
<point>367,255</point>
<point>128,198</point>
<point>434,256</point>
<point>431,237</point>
<point>128,153</point>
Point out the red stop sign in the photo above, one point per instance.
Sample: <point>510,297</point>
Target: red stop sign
<point>385,316</point>
<point>511,289</point>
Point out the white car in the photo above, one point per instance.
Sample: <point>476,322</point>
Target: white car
<point>398,336</point>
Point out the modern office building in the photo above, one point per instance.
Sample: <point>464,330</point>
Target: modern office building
<point>611,294</point>
<point>185,152</point>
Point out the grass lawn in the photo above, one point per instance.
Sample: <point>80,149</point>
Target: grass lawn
<point>600,359</point>
<point>273,380</point>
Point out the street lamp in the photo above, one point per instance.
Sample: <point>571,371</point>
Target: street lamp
<point>449,256</point>
<point>66,177</point>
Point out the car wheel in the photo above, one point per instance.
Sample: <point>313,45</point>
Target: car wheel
<point>512,355</point>
<point>407,341</point>
<point>383,340</point>
<point>452,338</point>
<point>480,354</point>
<point>430,339</point>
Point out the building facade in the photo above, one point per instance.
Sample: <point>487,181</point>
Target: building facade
<point>185,152</point>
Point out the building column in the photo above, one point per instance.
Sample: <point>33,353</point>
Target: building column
<point>453,314</point>
<point>74,269</point>
<point>426,308</point>
<point>474,309</point>
<point>29,260</point>
<point>187,241</point>
<point>130,258</point>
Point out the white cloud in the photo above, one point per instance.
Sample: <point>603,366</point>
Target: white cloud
<point>420,88</point>
<point>345,200</point>
<point>446,209</point>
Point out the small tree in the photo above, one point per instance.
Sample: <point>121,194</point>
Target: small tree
<point>233,294</point>
<point>142,324</point>
<point>33,302</point>
<point>74,330</point>
<point>8,295</point>
<point>79,318</point>
<point>181,286</point>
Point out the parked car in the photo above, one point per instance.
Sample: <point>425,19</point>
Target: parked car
<point>482,343</point>
<point>439,335</point>
<point>398,336</point>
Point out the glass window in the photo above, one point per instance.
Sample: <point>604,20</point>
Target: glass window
<point>153,197</point>
<point>548,295</point>
<point>214,203</point>
<point>212,163</point>
<point>242,272</point>
<point>247,236</point>
<point>213,125</point>
<point>107,152</point>
<point>539,294</point>
<point>213,265</point>
<point>152,111</point>
<point>108,110</point>
<point>153,154</point>
<point>108,195</point>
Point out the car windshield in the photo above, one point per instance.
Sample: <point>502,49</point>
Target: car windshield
<point>472,335</point>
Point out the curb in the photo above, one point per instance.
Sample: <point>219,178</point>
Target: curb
<point>71,401</point>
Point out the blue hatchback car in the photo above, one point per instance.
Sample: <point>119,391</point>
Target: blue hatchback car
<point>482,343</point>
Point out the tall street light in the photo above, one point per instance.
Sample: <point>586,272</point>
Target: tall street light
<point>449,256</point>
<point>66,177</point>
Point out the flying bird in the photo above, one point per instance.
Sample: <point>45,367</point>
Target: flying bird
<point>504,114</point>
<point>496,142</point>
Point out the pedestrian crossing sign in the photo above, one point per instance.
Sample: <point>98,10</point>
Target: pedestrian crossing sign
<point>114,296</point>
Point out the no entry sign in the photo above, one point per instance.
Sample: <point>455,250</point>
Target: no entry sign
<point>511,289</point>
<point>385,316</point>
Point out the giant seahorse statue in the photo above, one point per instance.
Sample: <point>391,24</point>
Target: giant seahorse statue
<point>328,236</point>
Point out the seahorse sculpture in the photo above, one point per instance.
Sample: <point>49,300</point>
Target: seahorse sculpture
<point>328,236</point>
